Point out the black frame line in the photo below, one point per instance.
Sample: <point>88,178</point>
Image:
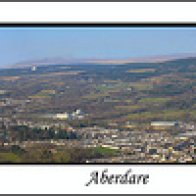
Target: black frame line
<point>96,25</point>
<point>102,1</point>
<point>106,24</point>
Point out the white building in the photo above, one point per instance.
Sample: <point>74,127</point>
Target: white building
<point>62,116</point>
<point>33,68</point>
<point>163,124</point>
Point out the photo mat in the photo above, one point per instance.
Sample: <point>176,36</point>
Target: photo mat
<point>97,93</point>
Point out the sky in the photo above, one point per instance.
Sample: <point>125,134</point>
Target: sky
<point>30,43</point>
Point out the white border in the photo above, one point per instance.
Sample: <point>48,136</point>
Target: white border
<point>71,179</point>
<point>97,11</point>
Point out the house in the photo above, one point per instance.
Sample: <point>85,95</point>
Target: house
<point>62,116</point>
<point>163,124</point>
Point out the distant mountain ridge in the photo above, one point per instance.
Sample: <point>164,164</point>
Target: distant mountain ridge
<point>148,59</point>
<point>41,62</point>
<point>66,61</point>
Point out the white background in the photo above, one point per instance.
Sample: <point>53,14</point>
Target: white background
<point>84,11</point>
<point>71,179</point>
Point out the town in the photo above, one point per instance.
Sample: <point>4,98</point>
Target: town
<point>138,113</point>
<point>158,142</point>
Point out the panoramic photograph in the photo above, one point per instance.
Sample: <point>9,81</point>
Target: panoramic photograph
<point>88,95</point>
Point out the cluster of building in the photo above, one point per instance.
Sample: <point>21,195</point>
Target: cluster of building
<point>151,145</point>
<point>77,114</point>
<point>160,141</point>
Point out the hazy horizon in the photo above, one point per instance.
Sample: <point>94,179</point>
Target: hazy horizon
<point>26,44</point>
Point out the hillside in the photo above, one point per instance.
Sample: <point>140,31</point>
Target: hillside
<point>133,91</point>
